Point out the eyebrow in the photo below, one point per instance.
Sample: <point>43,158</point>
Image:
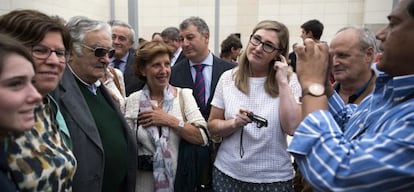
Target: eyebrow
<point>64,48</point>
<point>266,41</point>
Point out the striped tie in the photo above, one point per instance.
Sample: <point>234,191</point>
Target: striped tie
<point>200,88</point>
<point>117,62</point>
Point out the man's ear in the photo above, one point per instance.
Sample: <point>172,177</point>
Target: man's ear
<point>369,55</point>
<point>310,35</point>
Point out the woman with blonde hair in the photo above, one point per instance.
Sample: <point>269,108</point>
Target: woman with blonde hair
<point>254,108</point>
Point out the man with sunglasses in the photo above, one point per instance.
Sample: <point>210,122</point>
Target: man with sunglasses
<point>102,141</point>
<point>195,35</point>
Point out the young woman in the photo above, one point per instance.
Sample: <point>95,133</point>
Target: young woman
<point>18,98</point>
<point>254,109</point>
<point>44,150</point>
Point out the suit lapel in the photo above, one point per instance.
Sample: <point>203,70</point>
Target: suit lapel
<point>76,106</point>
<point>216,73</point>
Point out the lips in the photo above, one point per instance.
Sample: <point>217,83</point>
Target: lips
<point>162,78</point>
<point>47,74</point>
<point>27,113</point>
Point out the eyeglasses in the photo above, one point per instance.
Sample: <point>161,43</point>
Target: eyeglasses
<point>267,47</point>
<point>100,51</point>
<point>43,52</point>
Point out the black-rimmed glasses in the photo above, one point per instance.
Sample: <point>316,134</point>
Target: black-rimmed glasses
<point>100,51</point>
<point>43,52</point>
<point>267,47</point>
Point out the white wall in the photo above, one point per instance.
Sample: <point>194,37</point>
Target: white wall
<point>236,16</point>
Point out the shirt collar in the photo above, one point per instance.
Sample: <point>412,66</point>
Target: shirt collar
<point>177,52</point>
<point>207,61</point>
<point>353,97</point>
<point>399,86</point>
<point>91,87</point>
<point>123,59</point>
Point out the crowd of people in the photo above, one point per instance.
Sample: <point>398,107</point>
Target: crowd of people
<point>82,109</point>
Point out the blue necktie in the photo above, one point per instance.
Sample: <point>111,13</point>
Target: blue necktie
<point>117,62</point>
<point>199,86</point>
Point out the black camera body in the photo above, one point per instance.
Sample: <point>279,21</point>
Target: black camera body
<point>260,121</point>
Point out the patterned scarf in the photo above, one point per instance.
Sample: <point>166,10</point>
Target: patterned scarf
<point>162,160</point>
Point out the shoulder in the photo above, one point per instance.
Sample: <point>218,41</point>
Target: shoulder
<point>134,96</point>
<point>185,92</point>
<point>132,105</point>
<point>220,63</point>
<point>181,64</point>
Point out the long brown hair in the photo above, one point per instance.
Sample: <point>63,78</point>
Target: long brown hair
<point>241,76</point>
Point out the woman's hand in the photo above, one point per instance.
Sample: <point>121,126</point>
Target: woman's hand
<point>156,117</point>
<point>241,119</point>
<point>282,70</point>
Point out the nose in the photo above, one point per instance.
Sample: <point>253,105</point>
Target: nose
<point>381,34</point>
<point>185,42</point>
<point>115,40</point>
<point>335,60</point>
<point>105,59</point>
<point>33,96</point>
<point>53,58</point>
<point>259,47</point>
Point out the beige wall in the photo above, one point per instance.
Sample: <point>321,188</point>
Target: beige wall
<point>236,16</point>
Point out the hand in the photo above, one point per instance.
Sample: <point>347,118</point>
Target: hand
<point>312,62</point>
<point>282,70</point>
<point>156,117</point>
<point>241,119</point>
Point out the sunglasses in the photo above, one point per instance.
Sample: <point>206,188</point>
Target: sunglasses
<point>100,51</point>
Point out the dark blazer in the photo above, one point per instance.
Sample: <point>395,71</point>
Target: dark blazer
<point>181,57</point>
<point>132,83</point>
<point>87,146</point>
<point>181,77</point>
<point>193,160</point>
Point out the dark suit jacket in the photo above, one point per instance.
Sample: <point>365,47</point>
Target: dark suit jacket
<point>194,160</point>
<point>181,77</point>
<point>181,57</point>
<point>86,141</point>
<point>132,83</point>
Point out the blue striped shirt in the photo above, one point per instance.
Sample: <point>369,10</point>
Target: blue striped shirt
<point>369,147</point>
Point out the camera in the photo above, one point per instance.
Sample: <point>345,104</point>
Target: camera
<point>260,121</point>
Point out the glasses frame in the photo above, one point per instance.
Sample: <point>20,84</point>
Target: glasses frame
<point>61,59</point>
<point>109,52</point>
<point>253,40</point>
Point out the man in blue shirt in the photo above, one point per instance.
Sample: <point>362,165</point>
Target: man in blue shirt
<point>369,147</point>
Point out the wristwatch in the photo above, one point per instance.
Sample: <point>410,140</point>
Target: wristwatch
<point>180,125</point>
<point>314,89</point>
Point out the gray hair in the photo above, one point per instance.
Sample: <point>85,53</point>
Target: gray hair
<point>119,23</point>
<point>172,33</point>
<point>366,38</point>
<point>80,25</point>
<point>201,25</point>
